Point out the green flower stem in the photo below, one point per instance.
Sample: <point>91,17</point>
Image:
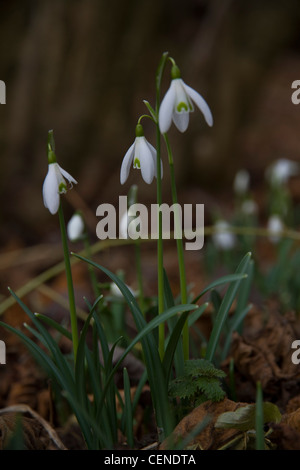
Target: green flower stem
<point>160,266</point>
<point>87,248</point>
<point>180,251</point>
<point>160,263</point>
<point>132,199</point>
<point>72,306</point>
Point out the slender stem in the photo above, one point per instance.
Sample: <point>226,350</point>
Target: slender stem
<point>160,265</point>
<point>87,247</point>
<point>73,315</point>
<point>180,251</point>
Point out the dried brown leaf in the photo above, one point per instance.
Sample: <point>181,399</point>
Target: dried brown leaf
<point>37,433</point>
<point>210,438</point>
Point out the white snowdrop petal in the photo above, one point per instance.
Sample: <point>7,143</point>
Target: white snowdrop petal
<point>66,175</point>
<point>241,182</point>
<point>200,102</point>
<point>275,226</point>
<point>124,226</point>
<point>126,163</point>
<point>281,170</point>
<point>75,227</point>
<point>146,159</point>
<point>166,109</point>
<point>222,238</point>
<point>181,120</point>
<point>154,156</point>
<point>50,190</point>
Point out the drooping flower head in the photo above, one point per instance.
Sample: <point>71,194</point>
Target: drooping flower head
<point>241,182</point>
<point>177,104</point>
<point>222,238</point>
<point>76,227</point>
<point>142,156</point>
<point>55,182</point>
<point>280,171</point>
<point>275,227</point>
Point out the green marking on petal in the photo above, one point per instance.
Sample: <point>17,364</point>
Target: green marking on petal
<point>62,188</point>
<point>182,107</point>
<point>137,163</point>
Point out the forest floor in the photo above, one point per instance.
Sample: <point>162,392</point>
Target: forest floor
<point>261,352</point>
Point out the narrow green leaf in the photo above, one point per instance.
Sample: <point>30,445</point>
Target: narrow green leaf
<point>224,309</point>
<point>156,375</point>
<point>222,280</point>
<point>151,110</point>
<point>194,316</point>
<point>237,320</point>
<point>139,390</point>
<point>160,69</point>
<point>80,377</point>
<point>111,391</point>
<point>95,437</point>
<point>177,354</point>
<point>172,346</point>
<point>49,341</point>
<point>128,409</point>
<point>39,354</point>
<point>53,324</point>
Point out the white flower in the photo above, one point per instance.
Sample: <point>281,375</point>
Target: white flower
<point>222,237</point>
<point>275,227</point>
<point>142,155</point>
<point>281,170</point>
<point>249,207</point>
<point>124,226</point>
<point>115,291</point>
<point>54,185</point>
<point>178,103</point>
<point>75,227</point>
<point>241,182</point>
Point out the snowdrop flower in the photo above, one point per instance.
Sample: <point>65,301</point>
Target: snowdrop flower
<point>124,226</point>
<point>222,238</point>
<point>281,170</point>
<point>275,227</point>
<point>115,291</point>
<point>241,182</point>
<point>54,185</point>
<point>76,227</point>
<point>143,157</point>
<point>178,103</point>
<point>249,207</point>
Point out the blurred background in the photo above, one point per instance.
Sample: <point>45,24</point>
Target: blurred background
<point>83,69</point>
